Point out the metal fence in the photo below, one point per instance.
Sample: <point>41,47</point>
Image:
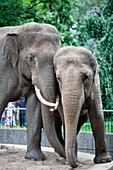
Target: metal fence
<point>108,122</point>
<point>18,120</point>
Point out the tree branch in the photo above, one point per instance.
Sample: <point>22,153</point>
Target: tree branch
<point>36,4</point>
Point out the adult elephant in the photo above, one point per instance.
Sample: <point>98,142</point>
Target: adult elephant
<point>26,65</point>
<point>78,77</point>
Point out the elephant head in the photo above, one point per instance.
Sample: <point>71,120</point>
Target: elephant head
<point>31,49</point>
<point>76,69</point>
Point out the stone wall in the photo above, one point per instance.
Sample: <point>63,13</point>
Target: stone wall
<point>85,139</point>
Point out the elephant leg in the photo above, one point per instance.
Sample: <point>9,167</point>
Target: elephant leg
<point>82,120</point>
<point>34,126</point>
<point>97,124</point>
<point>58,127</point>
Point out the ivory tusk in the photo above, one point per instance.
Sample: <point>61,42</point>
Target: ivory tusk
<point>56,104</point>
<point>42,100</point>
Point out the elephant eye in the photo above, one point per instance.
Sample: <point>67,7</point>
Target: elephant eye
<point>30,58</point>
<point>85,77</point>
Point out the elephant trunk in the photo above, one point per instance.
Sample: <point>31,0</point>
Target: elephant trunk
<point>49,128</point>
<point>72,103</point>
<point>48,91</point>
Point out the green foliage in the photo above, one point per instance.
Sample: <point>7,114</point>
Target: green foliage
<point>95,27</point>
<point>108,10</point>
<point>87,23</point>
<point>105,60</point>
<point>10,12</point>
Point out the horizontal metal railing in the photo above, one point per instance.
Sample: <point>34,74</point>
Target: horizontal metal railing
<point>108,121</point>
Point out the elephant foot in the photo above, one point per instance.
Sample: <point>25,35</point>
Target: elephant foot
<point>35,155</point>
<point>102,158</point>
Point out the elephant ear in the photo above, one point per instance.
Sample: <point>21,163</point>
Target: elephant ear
<point>11,48</point>
<point>95,69</point>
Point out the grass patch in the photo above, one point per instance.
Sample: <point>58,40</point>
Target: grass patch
<point>14,127</point>
<point>108,127</point>
<point>86,127</point>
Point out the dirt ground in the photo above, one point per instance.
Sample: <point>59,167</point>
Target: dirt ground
<point>12,158</point>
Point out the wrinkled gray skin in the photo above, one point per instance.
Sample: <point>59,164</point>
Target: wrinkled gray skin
<point>26,59</point>
<point>77,74</point>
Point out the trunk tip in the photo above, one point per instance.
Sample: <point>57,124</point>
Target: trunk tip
<point>73,164</point>
<point>72,159</point>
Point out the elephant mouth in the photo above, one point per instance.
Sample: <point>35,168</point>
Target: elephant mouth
<point>45,102</point>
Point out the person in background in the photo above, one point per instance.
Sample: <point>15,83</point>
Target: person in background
<point>3,118</point>
<point>16,112</point>
<point>22,111</point>
<point>10,115</point>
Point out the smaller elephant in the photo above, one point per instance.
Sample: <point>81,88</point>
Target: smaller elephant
<point>78,78</point>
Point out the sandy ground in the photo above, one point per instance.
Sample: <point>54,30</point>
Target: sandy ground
<point>12,158</point>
